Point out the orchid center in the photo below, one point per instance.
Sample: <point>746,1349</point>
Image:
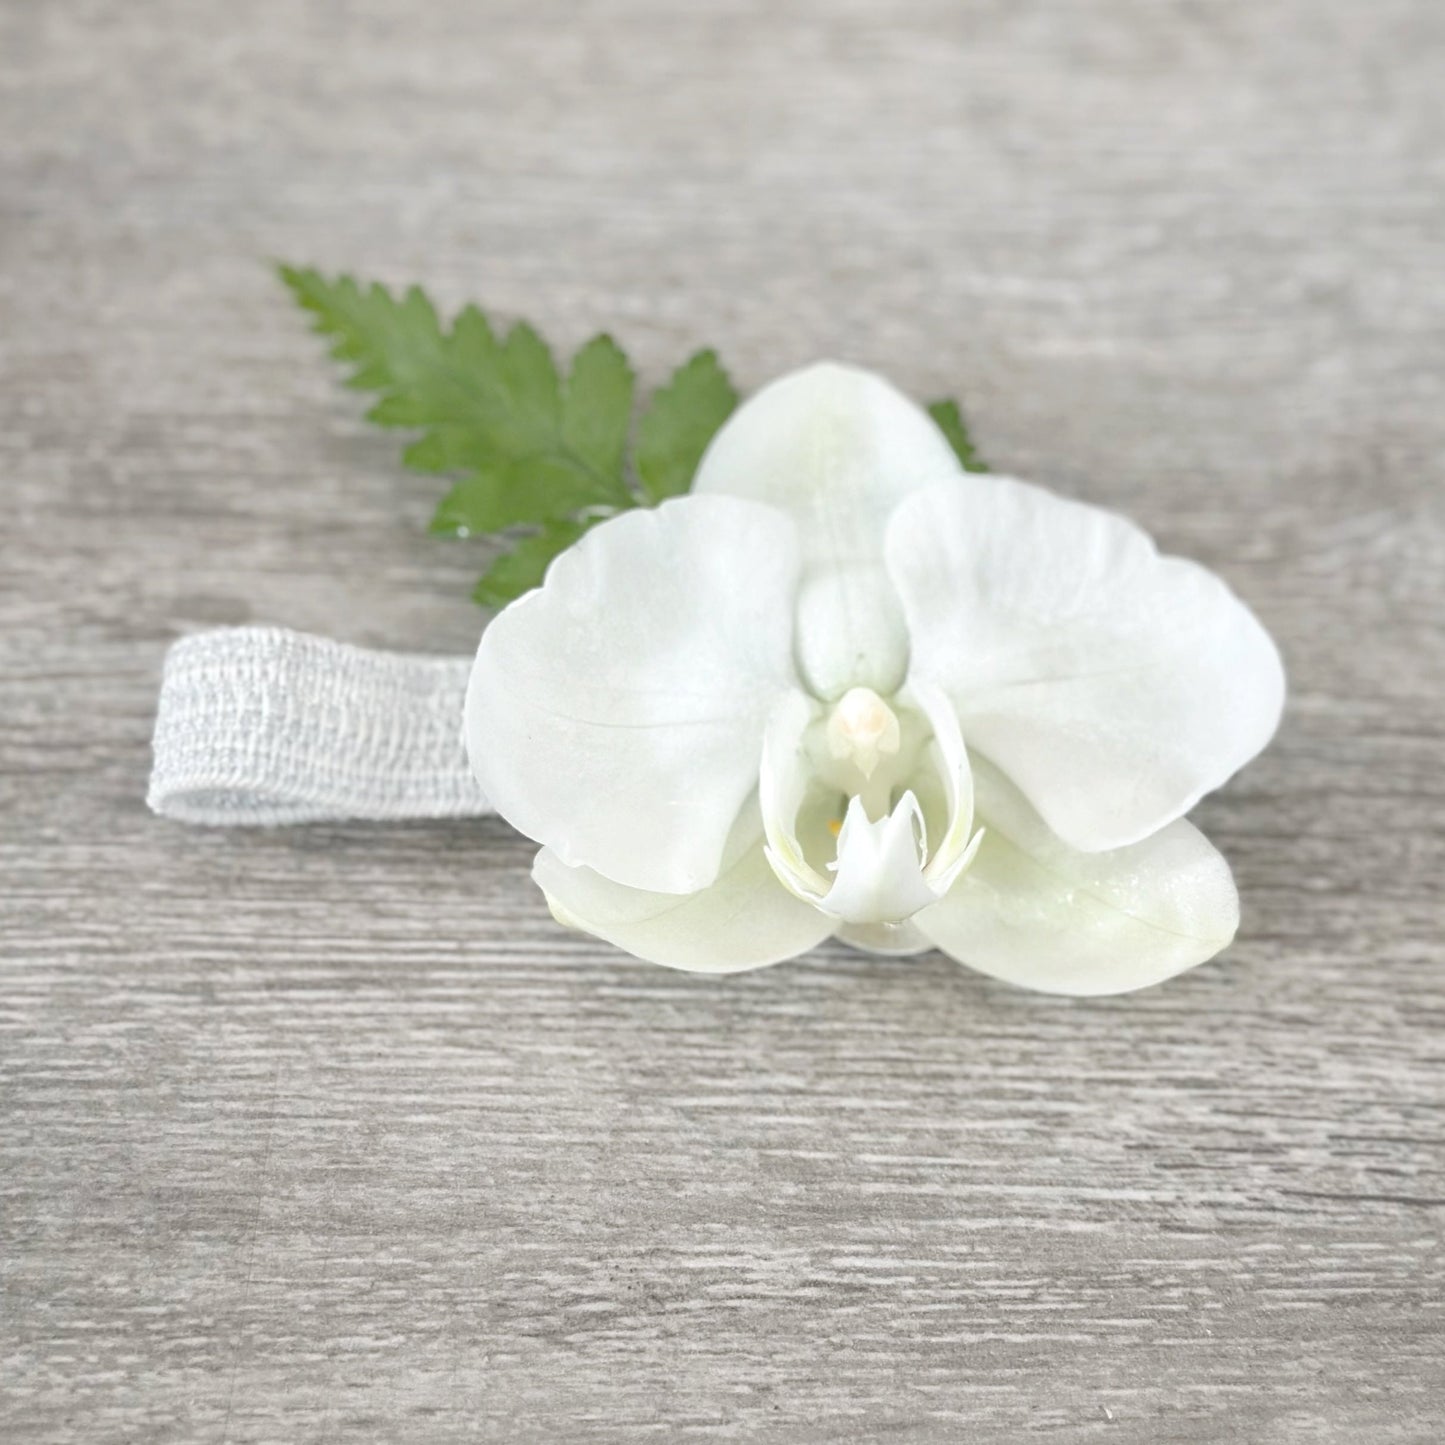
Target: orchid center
<point>868,805</point>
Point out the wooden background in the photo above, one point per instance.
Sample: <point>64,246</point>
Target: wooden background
<point>330,1134</point>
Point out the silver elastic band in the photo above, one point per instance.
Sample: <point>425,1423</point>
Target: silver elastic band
<point>262,725</point>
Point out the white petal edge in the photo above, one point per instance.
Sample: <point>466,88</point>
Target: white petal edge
<point>1034,912</point>
<point>1114,686</point>
<point>837,448</point>
<point>744,920</point>
<point>616,714</point>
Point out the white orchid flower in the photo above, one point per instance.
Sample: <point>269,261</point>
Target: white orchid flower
<point>845,687</point>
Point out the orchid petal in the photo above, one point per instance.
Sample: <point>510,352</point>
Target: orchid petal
<point>615,714</point>
<point>745,919</point>
<point>837,448</point>
<point>834,446</point>
<point>1032,911</point>
<point>1113,685</point>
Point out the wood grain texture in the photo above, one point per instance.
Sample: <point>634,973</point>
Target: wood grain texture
<point>330,1134</point>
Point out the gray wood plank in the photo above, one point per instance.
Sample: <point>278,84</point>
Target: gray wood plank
<point>331,1134</point>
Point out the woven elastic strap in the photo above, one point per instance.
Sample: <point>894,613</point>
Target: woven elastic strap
<point>262,725</point>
